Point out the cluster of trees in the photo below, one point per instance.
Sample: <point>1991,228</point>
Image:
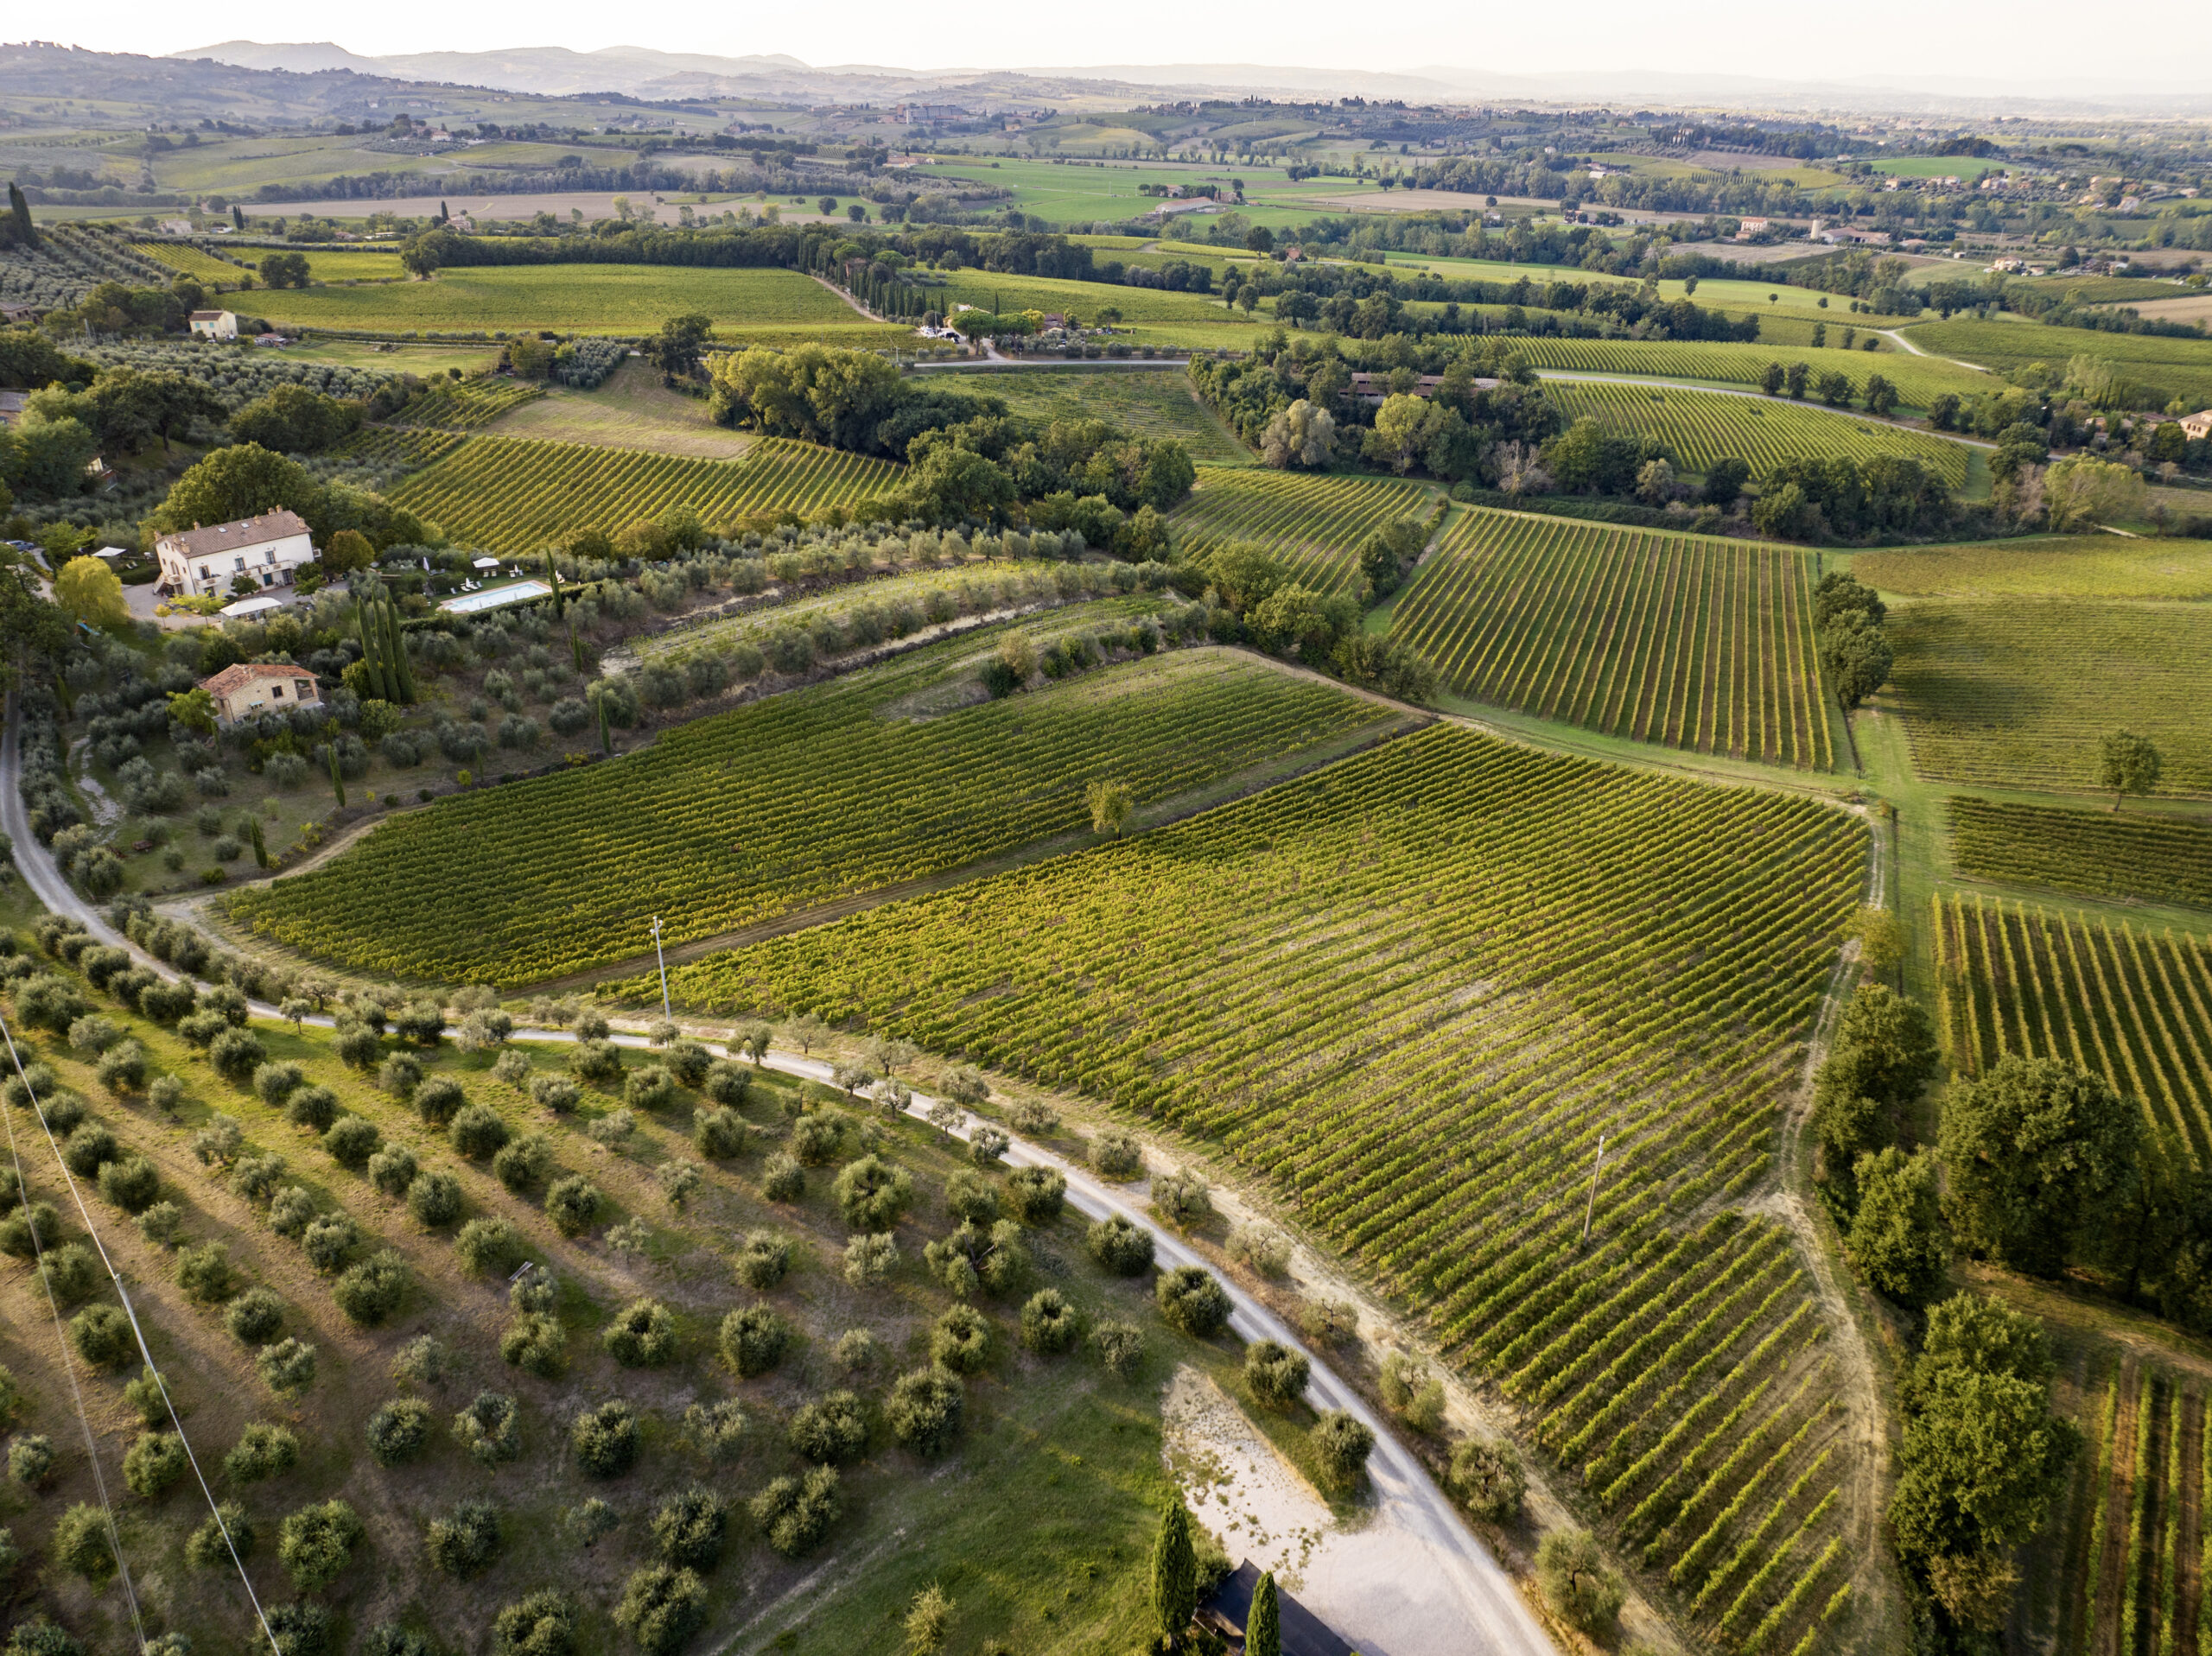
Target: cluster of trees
<point>1833,388</point>
<point>1368,301</point>
<point>1847,620</point>
<point>246,480</point>
<point>1842,498</point>
<point>1279,613</point>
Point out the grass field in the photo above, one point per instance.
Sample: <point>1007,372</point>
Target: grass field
<point>1702,427</point>
<point>2176,367</point>
<point>2134,1006</point>
<point>632,409</point>
<point>1409,992</point>
<point>1918,380</point>
<point>2099,291</point>
<point>788,803</point>
<point>2019,695</point>
<point>428,360</point>
<point>1696,644</point>
<point>2096,853</point>
<point>1314,524</point>
<point>513,495</point>
<point>620,299</point>
<point>1042,1512</point>
<point>2043,565</point>
<point>1149,315</point>
<point>1156,402</point>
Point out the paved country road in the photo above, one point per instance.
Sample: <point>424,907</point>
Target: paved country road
<point>1433,1590</point>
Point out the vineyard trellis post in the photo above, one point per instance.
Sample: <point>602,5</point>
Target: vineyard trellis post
<point>1592,1209</point>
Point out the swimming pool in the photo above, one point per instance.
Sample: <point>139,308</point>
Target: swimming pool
<point>492,598</point>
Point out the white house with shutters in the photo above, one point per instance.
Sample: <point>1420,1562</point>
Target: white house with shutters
<point>196,562</point>
<point>214,325</point>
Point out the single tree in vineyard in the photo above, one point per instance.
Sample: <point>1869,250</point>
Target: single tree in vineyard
<point>2127,763</point>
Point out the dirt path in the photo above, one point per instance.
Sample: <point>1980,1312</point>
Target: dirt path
<point>1912,350</point>
<point>852,301</point>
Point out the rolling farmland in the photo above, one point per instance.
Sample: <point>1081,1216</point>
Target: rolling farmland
<point>1312,524</point>
<point>513,495</point>
<point>2134,1006</point>
<point>2043,566</point>
<point>784,804</point>
<point>466,404</point>
<point>1917,378</point>
<point>1704,427</point>
<point>2177,367</point>
<point>1410,991</point>
<point>1703,644</point>
<point>1153,402</point>
<point>2092,851</point>
<point>2019,695</point>
<point>395,446</point>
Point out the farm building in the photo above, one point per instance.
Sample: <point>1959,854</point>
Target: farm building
<point>214,325</point>
<point>14,311</point>
<point>11,406</point>
<point>268,549</point>
<point>2197,427</point>
<point>255,687</point>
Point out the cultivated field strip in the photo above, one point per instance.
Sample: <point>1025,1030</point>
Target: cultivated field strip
<point>513,495</point>
<point>2093,851</point>
<point>783,804</point>
<point>1702,427</point>
<point>1919,380</point>
<point>464,405</point>
<point>2020,693</point>
<point>390,446</point>
<point>1411,990</point>
<point>1704,645</point>
<point>2134,1006</point>
<point>1313,524</point>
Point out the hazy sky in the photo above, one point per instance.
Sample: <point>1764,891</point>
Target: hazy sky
<point>2038,41</point>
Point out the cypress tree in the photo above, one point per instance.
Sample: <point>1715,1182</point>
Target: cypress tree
<point>1263,1627</point>
<point>606,740</point>
<point>337,782</point>
<point>577,648</point>
<point>402,671</point>
<point>21,230</point>
<point>553,576</point>
<point>369,654</point>
<point>253,833</point>
<point>1174,1573</point>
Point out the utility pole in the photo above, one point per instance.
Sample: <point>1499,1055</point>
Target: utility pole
<point>1592,1207</point>
<point>671,1016</point>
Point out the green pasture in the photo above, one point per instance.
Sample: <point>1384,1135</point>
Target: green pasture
<point>1961,166</point>
<point>2178,367</point>
<point>1151,315</point>
<point>2043,566</point>
<point>1157,401</point>
<point>2101,290</point>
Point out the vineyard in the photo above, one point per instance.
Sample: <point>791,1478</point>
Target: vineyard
<point>2093,852</point>
<point>2136,1006</point>
<point>513,495</point>
<point>2123,1570</point>
<point>1702,427</point>
<point>1918,379</point>
<point>464,404</point>
<point>1153,402</point>
<point>1313,525</point>
<point>2043,565</point>
<point>784,804</point>
<point>2176,367</point>
<point>187,260</point>
<point>2019,695</point>
<point>1411,991</point>
<point>1696,644</point>
<point>390,446</point>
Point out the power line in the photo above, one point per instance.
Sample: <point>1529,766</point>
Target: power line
<point>145,1356</point>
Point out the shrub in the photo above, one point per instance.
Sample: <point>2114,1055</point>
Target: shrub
<point>642,1334</point>
<point>463,1543</point>
<point>438,1100</point>
<point>716,1430</point>
<point>476,1131</point>
<point>661,1607</point>
<point>275,1082</point>
<point>30,1458</point>
<point>872,1193</point>
<point>256,1178</point>
<point>1412,1393</point>
<point>831,1430</point>
<point>490,1429</point>
<point>1575,1582</point>
<point>554,1093</point>
<point>488,1245</point>
<point>103,1337</point>
<point>422,1360</point>
<point>720,1132</point>
<point>783,1179</point>
<point>962,1340</point>
<point>1036,1194</point>
<point>511,1069</point>
<point>816,1138</point>
<point>130,1185</point>
<point>524,1162</point>
<point>160,1223</point>
<point>1031,1118</point>
<point>61,1110</point>
<point>371,1291</point>
<point>90,1148</point>
<point>726,1082</point>
<point>300,1629</point>
<point>286,1367</point>
<point>857,1348</point>
<point>689,1063</point>
<point>1120,1245</point>
<point>434,1198</point>
<point>1115,1154</point>
<point>1049,1324</point>
<point>81,1545</point>
<point>123,1069</point>
<point>752,1340</point>
<point>597,1063</point>
<point>986,1145</point>
<point>796,1513</point>
<point>1182,1200</point>
<point>393,1169</point>
<point>256,1316</point>
<point>145,1395</point>
<point>763,1259</point>
<point>649,1087</point>
<point>316,1542</point>
<point>971,1199</point>
<point>924,1409</point>
<point>1488,1479</point>
<point>1193,1300</point>
<point>236,1054</point>
<point>572,1204</point>
<point>225,1531</point>
<point>289,1211</point>
<point>689,1529</point>
<point>154,1461</point>
<point>544,1624</point>
<point>399,1431</point>
<point>312,1107</point>
<point>261,1451</point>
<point>30,1228</point>
<point>869,1260</point>
<point>1276,1374</point>
<point>69,1273</point>
<point>612,1128</point>
<point>1120,1346</point>
<point>606,1440</point>
<point>359,1048</point>
<point>1260,1247</point>
<point>1343,1444</point>
<point>534,1343</point>
<point>400,1075</point>
<point>351,1141</point>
